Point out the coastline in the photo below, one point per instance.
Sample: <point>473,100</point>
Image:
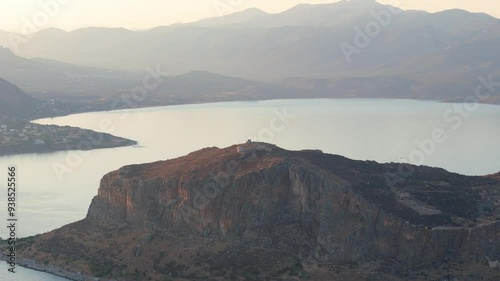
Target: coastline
<point>33,149</point>
<point>56,271</point>
<point>50,268</point>
<point>461,100</point>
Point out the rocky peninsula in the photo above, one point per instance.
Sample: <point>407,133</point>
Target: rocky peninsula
<point>255,211</point>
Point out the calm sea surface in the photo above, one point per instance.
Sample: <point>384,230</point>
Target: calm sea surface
<point>56,188</point>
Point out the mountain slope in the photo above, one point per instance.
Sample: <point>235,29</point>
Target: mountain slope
<point>201,86</point>
<point>443,52</point>
<point>14,102</point>
<point>301,41</point>
<point>256,211</point>
<point>238,18</point>
<point>43,76</point>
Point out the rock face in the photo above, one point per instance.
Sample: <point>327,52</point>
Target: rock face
<point>350,210</point>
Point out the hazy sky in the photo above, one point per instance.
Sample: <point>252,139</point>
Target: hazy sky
<point>141,14</point>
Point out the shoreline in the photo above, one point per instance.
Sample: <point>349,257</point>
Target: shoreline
<point>31,150</point>
<point>49,150</point>
<point>460,101</point>
<point>56,271</point>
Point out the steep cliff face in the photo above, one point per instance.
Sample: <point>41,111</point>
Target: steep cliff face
<point>350,210</point>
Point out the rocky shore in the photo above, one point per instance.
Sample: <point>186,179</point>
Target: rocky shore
<point>70,275</point>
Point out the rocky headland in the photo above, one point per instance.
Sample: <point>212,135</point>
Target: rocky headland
<point>258,212</point>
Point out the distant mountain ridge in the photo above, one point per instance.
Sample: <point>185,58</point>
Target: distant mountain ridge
<point>442,53</point>
<point>39,75</point>
<point>124,49</point>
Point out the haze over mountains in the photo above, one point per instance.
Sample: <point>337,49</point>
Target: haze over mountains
<point>306,51</point>
<point>13,101</point>
<point>39,76</point>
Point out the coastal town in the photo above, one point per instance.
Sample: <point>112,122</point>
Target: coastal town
<point>20,136</point>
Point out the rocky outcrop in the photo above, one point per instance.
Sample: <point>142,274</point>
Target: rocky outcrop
<point>351,210</point>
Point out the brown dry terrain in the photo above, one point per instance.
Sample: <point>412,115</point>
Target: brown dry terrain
<point>280,215</point>
<point>138,254</point>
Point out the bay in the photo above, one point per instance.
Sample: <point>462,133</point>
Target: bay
<point>56,188</point>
